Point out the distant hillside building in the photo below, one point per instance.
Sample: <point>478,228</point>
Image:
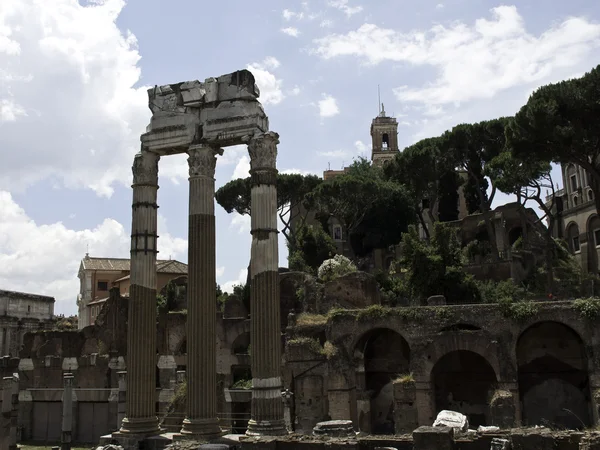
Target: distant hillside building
<point>575,217</point>
<point>20,313</point>
<point>98,275</point>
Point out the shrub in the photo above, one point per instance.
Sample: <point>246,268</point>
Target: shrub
<point>589,308</point>
<point>518,310</point>
<point>336,267</point>
<point>493,292</point>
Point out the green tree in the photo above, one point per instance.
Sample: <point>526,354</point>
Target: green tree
<point>435,267</point>
<point>313,246</point>
<point>291,193</point>
<point>416,168</point>
<point>528,178</point>
<point>559,123</point>
<point>472,148</point>
<point>373,212</point>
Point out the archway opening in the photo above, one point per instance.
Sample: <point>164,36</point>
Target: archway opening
<point>464,381</point>
<point>385,354</point>
<point>553,377</point>
<point>514,234</point>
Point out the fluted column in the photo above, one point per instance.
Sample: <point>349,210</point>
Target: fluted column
<point>201,417</point>
<point>140,402</point>
<point>265,329</point>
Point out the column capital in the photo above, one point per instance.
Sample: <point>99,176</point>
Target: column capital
<point>263,150</point>
<point>202,160</point>
<point>145,168</point>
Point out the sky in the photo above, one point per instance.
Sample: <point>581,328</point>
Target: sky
<point>73,103</point>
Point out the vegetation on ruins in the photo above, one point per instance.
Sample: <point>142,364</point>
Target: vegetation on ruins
<point>405,378</point>
<point>335,267</point>
<point>588,307</point>
<point>307,319</point>
<point>66,323</point>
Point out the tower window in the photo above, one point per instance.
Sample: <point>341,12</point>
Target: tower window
<point>385,141</point>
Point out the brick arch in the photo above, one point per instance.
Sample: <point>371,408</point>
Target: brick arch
<point>481,344</point>
<point>352,341</point>
<point>552,357</point>
<point>464,381</point>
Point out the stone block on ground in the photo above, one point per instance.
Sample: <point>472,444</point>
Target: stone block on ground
<point>452,419</point>
<point>500,444</point>
<point>433,438</point>
<point>334,428</point>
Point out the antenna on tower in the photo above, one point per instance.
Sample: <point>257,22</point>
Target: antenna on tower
<point>328,166</point>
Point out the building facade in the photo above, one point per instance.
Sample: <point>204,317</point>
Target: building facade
<point>575,217</point>
<point>20,313</point>
<point>98,275</point>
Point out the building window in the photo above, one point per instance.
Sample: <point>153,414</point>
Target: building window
<point>573,183</point>
<point>590,195</point>
<point>385,141</point>
<point>575,200</point>
<point>576,244</point>
<point>337,233</point>
<point>103,285</point>
<point>597,237</point>
<point>28,309</point>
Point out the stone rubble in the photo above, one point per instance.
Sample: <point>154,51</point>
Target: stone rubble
<point>452,419</point>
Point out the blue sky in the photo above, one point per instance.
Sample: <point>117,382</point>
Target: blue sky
<point>73,102</point>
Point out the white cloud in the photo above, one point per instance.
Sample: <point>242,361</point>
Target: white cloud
<point>360,146</point>
<point>295,91</point>
<point>220,271</point>
<point>328,106</point>
<point>336,154</point>
<point>241,279</point>
<point>289,15</point>
<point>297,171</point>
<point>268,83</point>
<point>44,258</point>
<point>291,31</point>
<point>241,223</point>
<point>326,23</point>
<point>242,169</point>
<point>439,6</point>
<point>9,110</point>
<point>68,73</point>
<point>343,6</point>
<point>499,54</point>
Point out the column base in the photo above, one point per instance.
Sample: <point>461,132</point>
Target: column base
<point>143,427</point>
<point>202,428</point>
<point>266,428</point>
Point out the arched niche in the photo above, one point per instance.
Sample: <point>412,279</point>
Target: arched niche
<point>382,355</point>
<point>464,381</point>
<point>553,377</point>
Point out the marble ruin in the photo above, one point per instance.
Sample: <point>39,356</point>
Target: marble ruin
<point>199,119</point>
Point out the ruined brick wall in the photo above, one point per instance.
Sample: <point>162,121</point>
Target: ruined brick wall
<point>478,344</point>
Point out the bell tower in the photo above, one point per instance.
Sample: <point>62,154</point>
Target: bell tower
<point>384,138</point>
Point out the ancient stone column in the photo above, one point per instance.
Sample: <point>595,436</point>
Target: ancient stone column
<point>141,325</point>
<point>201,368</point>
<point>67,412</point>
<point>265,326</point>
